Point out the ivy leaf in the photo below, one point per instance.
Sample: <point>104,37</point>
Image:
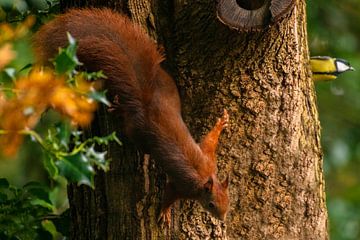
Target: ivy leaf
<point>76,168</point>
<point>100,97</point>
<point>66,61</point>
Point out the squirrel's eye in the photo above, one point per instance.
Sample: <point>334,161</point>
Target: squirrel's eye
<point>211,205</point>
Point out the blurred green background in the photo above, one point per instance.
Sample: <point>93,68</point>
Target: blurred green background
<point>334,30</point>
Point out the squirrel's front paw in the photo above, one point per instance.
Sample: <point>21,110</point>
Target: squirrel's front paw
<point>223,122</point>
<point>165,217</point>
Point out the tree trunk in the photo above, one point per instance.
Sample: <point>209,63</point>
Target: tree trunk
<point>272,148</point>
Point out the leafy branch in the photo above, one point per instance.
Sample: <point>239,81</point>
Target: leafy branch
<point>28,212</point>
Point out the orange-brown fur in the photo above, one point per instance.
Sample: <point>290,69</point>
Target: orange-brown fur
<point>147,101</point>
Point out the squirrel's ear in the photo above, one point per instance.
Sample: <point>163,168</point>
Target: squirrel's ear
<point>225,183</point>
<point>208,185</point>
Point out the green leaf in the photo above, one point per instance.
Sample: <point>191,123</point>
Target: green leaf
<point>50,166</point>
<point>39,191</point>
<point>40,5</point>
<point>4,183</point>
<point>105,140</point>
<point>49,226</point>
<point>26,67</point>
<point>98,158</point>
<point>72,44</point>
<point>15,191</point>
<point>40,194</point>
<point>11,73</point>
<point>76,137</point>
<point>20,6</point>
<point>42,203</point>
<point>21,213</point>
<point>76,168</point>
<point>64,131</point>
<point>53,2</point>
<point>52,140</point>
<point>66,61</point>
<point>33,184</point>
<point>3,197</point>
<point>99,96</point>
<point>7,4</point>
<point>94,75</point>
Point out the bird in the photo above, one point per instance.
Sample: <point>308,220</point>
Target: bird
<point>326,68</point>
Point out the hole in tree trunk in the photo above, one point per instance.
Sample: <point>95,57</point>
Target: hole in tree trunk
<point>250,4</point>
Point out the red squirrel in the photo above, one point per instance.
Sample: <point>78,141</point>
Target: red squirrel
<point>147,100</point>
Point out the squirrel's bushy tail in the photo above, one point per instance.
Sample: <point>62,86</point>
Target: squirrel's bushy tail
<point>112,43</point>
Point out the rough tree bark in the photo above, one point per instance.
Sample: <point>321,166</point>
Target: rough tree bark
<point>272,148</point>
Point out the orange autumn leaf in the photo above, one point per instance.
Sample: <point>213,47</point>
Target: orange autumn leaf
<point>8,33</point>
<point>6,55</point>
<point>34,94</point>
<point>77,107</point>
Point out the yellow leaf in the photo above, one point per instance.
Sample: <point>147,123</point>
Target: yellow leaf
<point>6,55</point>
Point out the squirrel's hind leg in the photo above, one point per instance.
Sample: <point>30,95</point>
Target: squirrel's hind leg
<point>169,198</point>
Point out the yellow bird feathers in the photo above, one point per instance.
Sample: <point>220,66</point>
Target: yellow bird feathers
<point>326,68</point>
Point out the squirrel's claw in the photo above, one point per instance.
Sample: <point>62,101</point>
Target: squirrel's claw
<point>165,218</point>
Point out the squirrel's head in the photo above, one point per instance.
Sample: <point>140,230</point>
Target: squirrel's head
<point>216,197</point>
